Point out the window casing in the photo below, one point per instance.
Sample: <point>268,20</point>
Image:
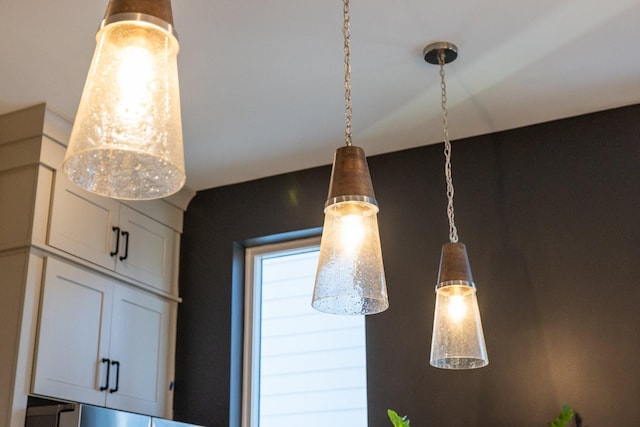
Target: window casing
<point>301,367</point>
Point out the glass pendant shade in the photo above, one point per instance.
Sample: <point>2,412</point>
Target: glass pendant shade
<point>350,277</point>
<point>457,340</point>
<point>126,140</point>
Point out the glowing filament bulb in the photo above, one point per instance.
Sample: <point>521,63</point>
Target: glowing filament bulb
<point>134,76</point>
<point>352,231</point>
<point>457,308</point>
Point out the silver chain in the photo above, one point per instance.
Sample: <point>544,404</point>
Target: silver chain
<point>453,231</point>
<point>347,73</point>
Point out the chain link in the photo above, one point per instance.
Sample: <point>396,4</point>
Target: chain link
<point>346,33</point>
<point>453,231</point>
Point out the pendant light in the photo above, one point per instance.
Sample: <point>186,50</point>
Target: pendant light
<point>457,340</point>
<point>126,141</point>
<point>350,277</point>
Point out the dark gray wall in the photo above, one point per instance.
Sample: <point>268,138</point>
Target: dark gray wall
<point>549,215</point>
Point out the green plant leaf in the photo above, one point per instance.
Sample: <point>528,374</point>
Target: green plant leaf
<point>564,417</point>
<point>397,420</point>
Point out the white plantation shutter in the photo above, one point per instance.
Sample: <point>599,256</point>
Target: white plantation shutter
<point>312,366</point>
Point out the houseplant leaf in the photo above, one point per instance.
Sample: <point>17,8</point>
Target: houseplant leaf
<point>563,419</point>
<point>397,420</point>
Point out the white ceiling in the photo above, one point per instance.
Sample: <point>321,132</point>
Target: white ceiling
<point>262,80</point>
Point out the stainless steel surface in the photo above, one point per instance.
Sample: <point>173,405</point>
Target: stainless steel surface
<point>159,422</point>
<point>120,17</point>
<point>93,416</point>
<point>80,415</point>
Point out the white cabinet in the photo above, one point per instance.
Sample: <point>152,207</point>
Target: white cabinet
<point>147,249</point>
<point>75,326</point>
<point>112,235</point>
<point>139,352</point>
<point>101,342</point>
<point>63,316</point>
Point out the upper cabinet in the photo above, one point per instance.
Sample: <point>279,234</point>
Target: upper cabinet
<point>113,235</point>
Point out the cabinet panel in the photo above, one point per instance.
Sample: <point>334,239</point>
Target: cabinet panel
<point>149,248</point>
<point>16,194</point>
<point>81,223</point>
<point>13,267</point>
<point>75,325</point>
<point>139,344</point>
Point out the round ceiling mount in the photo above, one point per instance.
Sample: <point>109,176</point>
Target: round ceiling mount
<point>431,52</point>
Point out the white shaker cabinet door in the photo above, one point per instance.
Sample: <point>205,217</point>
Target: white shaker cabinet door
<point>75,325</point>
<point>139,349</point>
<point>110,234</point>
<point>84,224</point>
<point>147,250</point>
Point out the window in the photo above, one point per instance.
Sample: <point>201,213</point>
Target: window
<point>301,367</point>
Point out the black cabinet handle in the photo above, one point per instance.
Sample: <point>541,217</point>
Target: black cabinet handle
<point>126,246</point>
<point>117,365</point>
<point>117,230</point>
<point>106,382</point>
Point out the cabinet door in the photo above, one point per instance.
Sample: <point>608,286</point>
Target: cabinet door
<point>139,345</point>
<point>149,248</point>
<point>75,325</point>
<point>82,223</point>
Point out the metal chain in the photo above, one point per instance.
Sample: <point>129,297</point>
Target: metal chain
<point>347,73</point>
<point>453,231</point>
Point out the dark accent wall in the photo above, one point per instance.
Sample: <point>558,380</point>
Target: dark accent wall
<point>549,214</point>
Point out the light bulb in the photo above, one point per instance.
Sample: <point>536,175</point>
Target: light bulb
<point>134,78</point>
<point>457,308</point>
<point>352,232</point>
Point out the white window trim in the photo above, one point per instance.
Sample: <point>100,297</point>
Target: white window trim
<point>252,333</point>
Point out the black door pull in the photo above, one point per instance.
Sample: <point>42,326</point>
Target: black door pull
<point>115,251</point>
<point>117,364</point>
<point>126,246</point>
<point>106,382</point>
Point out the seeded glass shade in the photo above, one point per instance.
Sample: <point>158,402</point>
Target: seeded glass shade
<point>458,340</point>
<point>350,277</point>
<point>126,141</point>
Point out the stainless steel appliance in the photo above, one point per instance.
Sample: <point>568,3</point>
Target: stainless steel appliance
<point>81,415</point>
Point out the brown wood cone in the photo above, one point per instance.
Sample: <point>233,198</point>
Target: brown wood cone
<point>454,263</point>
<point>350,174</point>
<point>158,8</point>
